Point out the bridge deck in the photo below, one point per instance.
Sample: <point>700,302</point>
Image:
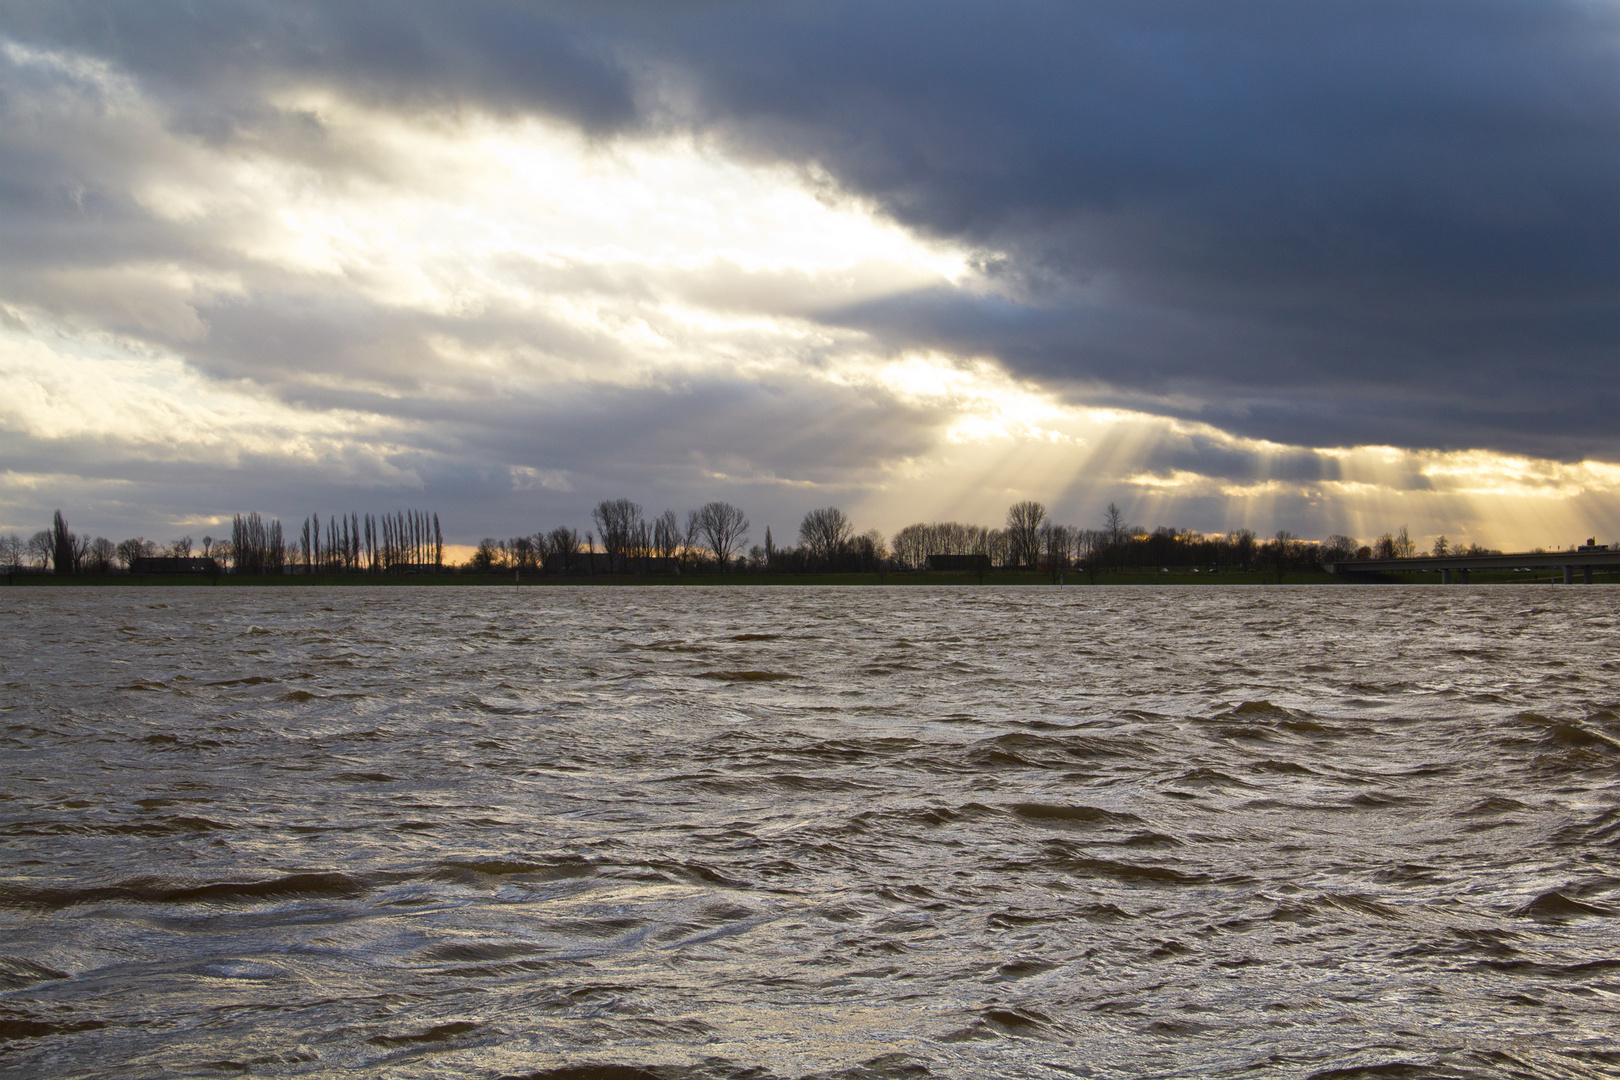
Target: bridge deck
<point>1536,560</point>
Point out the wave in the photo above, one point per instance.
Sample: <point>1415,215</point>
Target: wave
<point>329,885</point>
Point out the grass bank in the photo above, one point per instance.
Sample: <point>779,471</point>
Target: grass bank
<point>535,580</point>
<point>1072,578</point>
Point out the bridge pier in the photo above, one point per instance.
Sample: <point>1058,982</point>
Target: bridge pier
<point>1445,577</point>
<point>1569,574</point>
<point>1464,573</point>
<point>1586,574</point>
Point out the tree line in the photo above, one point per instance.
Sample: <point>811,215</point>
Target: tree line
<point>348,543</point>
<point>354,543</point>
<point>714,537</point>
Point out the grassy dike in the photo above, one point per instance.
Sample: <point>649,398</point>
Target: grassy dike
<point>1071,578</point>
<point>536,580</point>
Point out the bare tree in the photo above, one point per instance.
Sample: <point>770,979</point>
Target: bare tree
<point>825,533</point>
<point>135,548</point>
<point>640,544</point>
<point>911,546</point>
<point>871,551</point>
<point>1241,543</point>
<point>1339,547</point>
<point>1284,551</point>
<point>1114,524</point>
<point>692,534</point>
<point>523,552</point>
<point>1024,531</point>
<point>666,535</point>
<point>1056,541</point>
<point>1091,549</point>
<point>616,521</point>
<point>563,542</point>
<point>11,552</point>
<point>489,555</point>
<point>724,530</point>
<point>99,558</point>
<point>40,549</point>
<point>256,545</point>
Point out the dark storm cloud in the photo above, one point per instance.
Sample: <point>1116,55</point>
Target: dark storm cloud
<point>221,58</point>
<point>1341,222</point>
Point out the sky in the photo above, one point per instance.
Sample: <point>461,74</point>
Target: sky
<point>1331,267</point>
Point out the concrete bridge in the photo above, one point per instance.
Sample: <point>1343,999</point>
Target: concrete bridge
<point>1585,559</point>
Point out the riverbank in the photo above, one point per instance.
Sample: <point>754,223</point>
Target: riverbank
<point>509,579</point>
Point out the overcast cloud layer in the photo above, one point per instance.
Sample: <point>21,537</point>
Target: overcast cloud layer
<point>1324,266</point>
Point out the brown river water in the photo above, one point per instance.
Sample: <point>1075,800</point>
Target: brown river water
<point>683,833</point>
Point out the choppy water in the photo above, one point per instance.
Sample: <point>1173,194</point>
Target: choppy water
<point>627,833</point>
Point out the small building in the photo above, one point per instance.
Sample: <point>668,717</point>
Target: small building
<point>173,564</point>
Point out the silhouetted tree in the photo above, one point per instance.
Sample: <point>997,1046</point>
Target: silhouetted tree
<point>1091,547</point>
<point>135,548</point>
<point>641,544</point>
<point>1242,545</point>
<point>64,546</point>
<point>1284,551</point>
<point>40,546</point>
<point>99,557</point>
<point>910,547</point>
<point>724,529</point>
<point>616,521</point>
<point>257,546</point>
<point>692,535</point>
<point>1056,543</point>
<point>1114,524</point>
<point>871,551</point>
<point>1339,547</point>
<point>1023,532</point>
<point>487,555</point>
<point>564,543</point>
<point>666,535</point>
<point>824,534</point>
